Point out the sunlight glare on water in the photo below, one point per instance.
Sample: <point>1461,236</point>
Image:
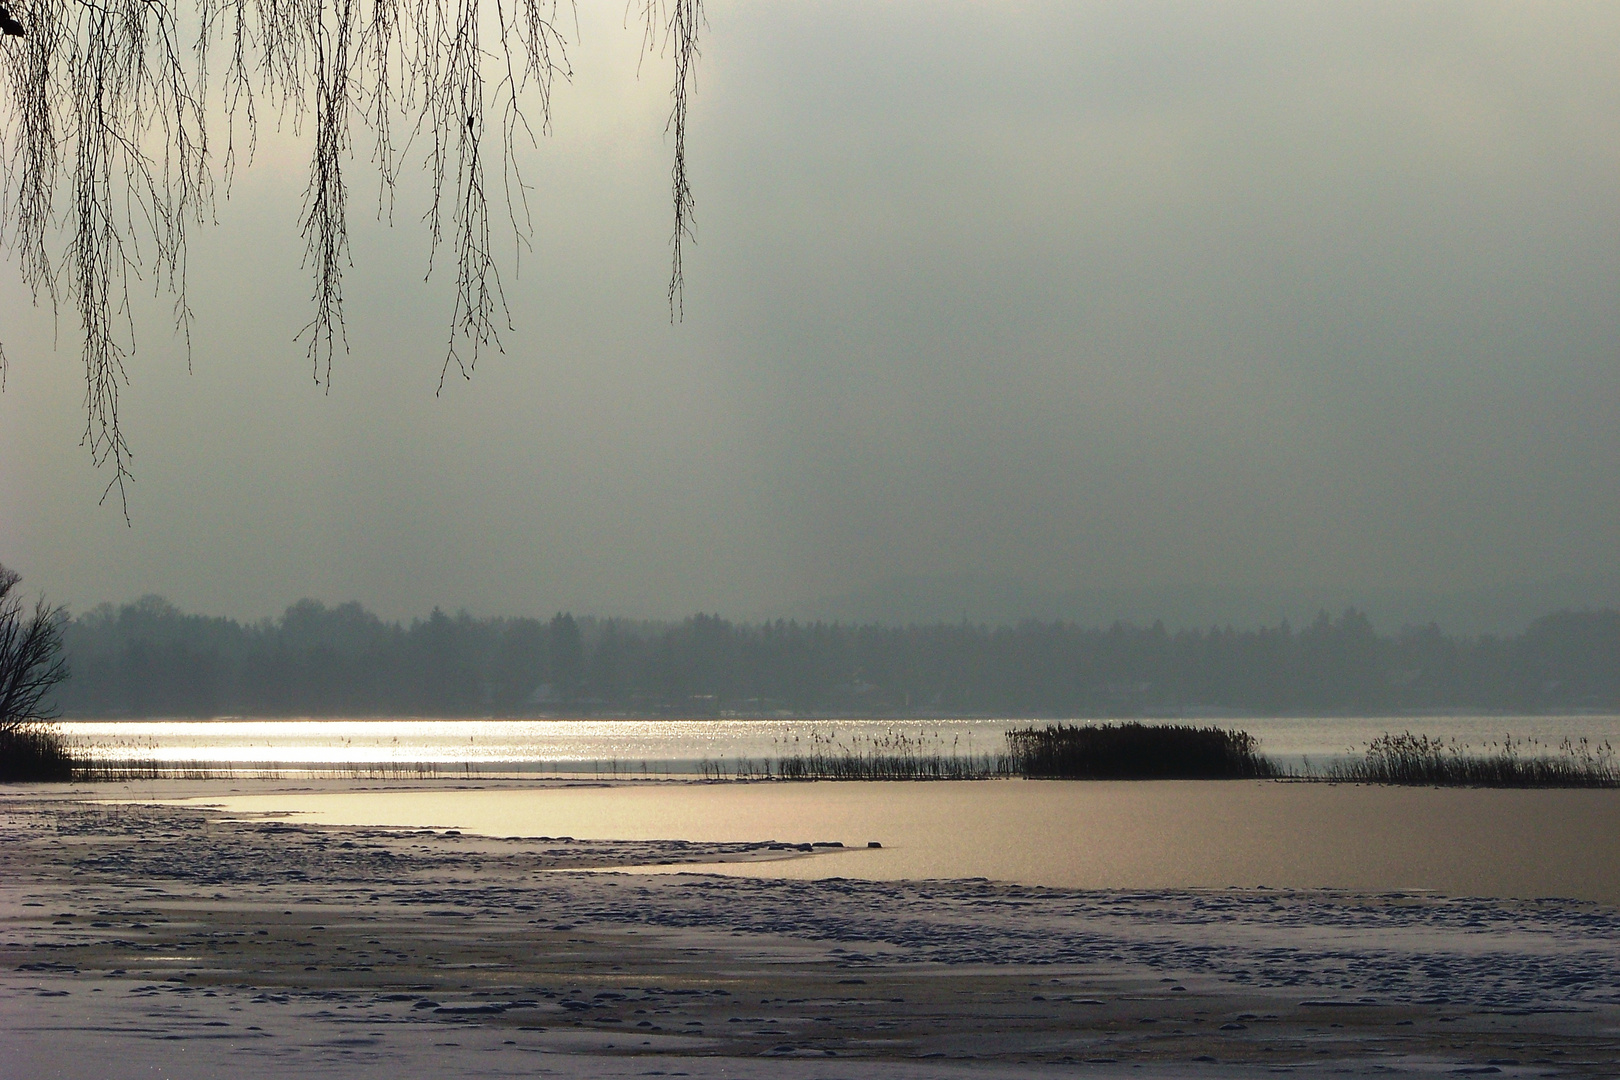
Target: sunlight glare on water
<point>570,745</point>
<point>634,746</point>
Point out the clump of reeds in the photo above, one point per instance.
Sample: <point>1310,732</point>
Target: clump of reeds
<point>390,770</point>
<point>134,769</point>
<point>116,770</point>
<point>894,755</point>
<point>36,752</point>
<point>1132,751</point>
<point>1127,751</point>
<point>1418,759</point>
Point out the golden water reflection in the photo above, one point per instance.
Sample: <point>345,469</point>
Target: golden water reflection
<point>1132,835</point>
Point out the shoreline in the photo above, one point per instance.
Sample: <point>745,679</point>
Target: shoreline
<point>140,935</point>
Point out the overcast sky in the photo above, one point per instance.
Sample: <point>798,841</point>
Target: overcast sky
<point>1239,295</point>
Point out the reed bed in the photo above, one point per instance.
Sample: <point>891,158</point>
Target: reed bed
<point>1133,751</point>
<point>134,769</point>
<point>1418,759</point>
<point>1110,751</point>
<point>1128,751</point>
<point>114,770</point>
<point>894,755</point>
<point>36,752</point>
<point>1136,751</point>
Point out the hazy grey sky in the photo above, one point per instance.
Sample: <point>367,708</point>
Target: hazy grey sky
<point>1089,295</point>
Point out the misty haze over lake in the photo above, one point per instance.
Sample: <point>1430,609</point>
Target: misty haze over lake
<point>1204,314</point>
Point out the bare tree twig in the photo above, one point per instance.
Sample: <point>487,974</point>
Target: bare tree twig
<point>685,19</point>
<point>676,23</point>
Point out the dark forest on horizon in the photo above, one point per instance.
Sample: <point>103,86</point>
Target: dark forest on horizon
<point>150,659</point>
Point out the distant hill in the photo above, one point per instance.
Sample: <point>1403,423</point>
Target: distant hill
<point>150,659</point>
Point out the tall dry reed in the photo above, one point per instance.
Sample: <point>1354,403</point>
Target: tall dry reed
<point>1419,759</point>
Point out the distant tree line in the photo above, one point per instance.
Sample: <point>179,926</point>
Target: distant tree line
<point>149,659</point>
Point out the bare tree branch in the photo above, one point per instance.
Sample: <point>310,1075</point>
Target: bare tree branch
<point>325,223</point>
<point>676,23</point>
<point>31,661</point>
<point>683,32</point>
<point>105,158</point>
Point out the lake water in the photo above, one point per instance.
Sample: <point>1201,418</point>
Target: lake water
<point>1100,835</point>
<point>619,747</point>
<point>1091,835</point>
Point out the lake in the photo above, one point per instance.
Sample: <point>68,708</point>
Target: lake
<point>1090,835</point>
<point>1077,834</point>
<point>620,747</point>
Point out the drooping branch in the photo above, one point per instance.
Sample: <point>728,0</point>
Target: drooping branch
<point>683,32</point>
<point>456,111</point>
<point>325,222</point>
<point>675,23</point>
<point>105,107</point>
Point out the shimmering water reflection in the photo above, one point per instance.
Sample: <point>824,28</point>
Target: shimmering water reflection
<point>593,746</point>
<point>620,747</point>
